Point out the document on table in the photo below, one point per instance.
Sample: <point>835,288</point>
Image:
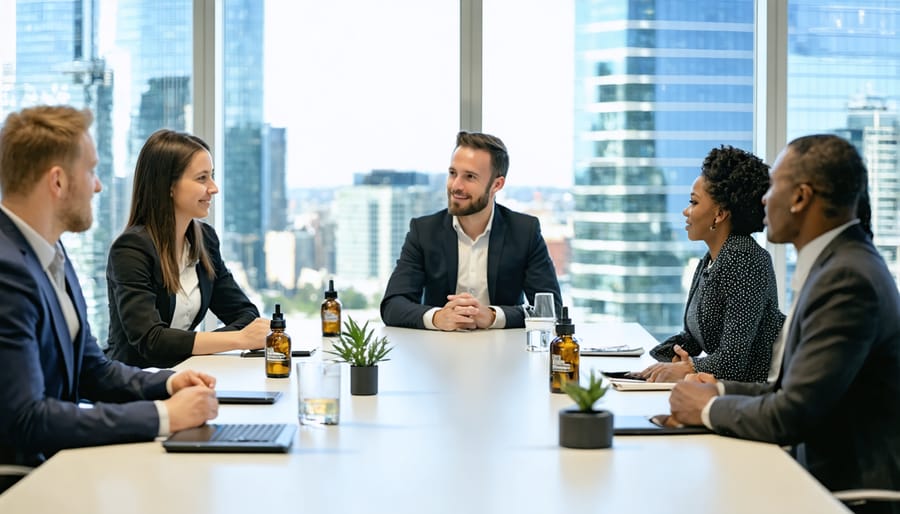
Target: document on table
<point>634,384</point>
<point>622,350</point>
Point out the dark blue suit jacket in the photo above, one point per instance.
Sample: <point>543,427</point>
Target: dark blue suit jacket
<point>44,373</point>
<point>836,398</point>
<point>518,262</point>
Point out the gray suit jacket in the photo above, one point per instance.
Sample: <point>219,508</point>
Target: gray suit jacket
<point>837,398</point>
<point>518,262</point>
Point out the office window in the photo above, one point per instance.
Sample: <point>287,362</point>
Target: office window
<point>843,61</point>
<point>131,64</point>
<point>339,119</point>
<point>609,107</point>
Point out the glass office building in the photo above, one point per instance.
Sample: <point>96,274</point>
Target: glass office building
<point>658,84</point>
<point>843,78</point>
<point>58,62</point>
<point>241,157</point>
<point>131,63</point>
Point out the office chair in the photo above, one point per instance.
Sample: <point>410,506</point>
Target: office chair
<point>10,474</point>
<point>856,497</point>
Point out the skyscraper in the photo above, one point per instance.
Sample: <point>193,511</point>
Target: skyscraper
<point>373,218</point>
<point>57,62</point>
<point>842,77</point>
<point>247,200</point>
<point>658,85</point>
<point>154,43</point>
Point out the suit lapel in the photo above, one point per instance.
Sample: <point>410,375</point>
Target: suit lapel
<point>451,251</point>
<point>792,337</point>
<point>77,348</point>
<point>495,252</point>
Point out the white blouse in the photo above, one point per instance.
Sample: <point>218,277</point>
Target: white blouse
<point>187,299</point>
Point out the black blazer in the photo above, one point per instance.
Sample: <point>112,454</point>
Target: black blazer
<point>836,397</point>
<point>737,313</point>
<point>141,309</point>
<point>44,373</point>
<point>426,271</point>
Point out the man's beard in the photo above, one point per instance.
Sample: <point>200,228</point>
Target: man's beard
<point>75,220</point>
<point>475,206</point>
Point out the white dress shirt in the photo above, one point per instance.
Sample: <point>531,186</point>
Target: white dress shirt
<point>471,271</point>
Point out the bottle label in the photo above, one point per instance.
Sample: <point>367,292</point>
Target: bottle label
<point>558,365</point>
<point>330,317</point>
<point>275,356</point>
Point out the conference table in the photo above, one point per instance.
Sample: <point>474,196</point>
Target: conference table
<point>463,422</point>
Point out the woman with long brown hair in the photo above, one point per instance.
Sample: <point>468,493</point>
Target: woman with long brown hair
<point>165,270</point>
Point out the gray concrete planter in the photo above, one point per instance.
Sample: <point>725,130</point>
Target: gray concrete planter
<point>579,429</point>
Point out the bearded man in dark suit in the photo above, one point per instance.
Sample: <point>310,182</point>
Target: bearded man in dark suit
<point>473,264</point>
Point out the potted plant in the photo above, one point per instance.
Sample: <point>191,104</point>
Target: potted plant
<point>581,426</point>
<point>359,347</point>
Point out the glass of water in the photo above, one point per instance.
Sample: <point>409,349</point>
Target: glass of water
<point>540,322</point>
<point>319,392</point>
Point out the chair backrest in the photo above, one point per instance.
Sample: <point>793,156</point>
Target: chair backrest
<point>10,474</point>
<point>856,497</point>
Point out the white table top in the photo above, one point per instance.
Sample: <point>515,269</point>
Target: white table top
<point>463,422</point>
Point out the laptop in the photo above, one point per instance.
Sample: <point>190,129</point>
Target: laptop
<point>652,425</point>
<point>254,397</point>
<point>233,438</point>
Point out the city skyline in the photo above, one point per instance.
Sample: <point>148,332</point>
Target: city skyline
<point>653,87</point>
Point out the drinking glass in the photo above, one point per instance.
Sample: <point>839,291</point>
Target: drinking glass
<point>319,392</point>
<point>540,321</point>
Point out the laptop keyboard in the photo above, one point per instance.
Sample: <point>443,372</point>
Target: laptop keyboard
<point>248,433</point>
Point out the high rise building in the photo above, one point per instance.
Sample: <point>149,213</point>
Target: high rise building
<point>658,85</point>
<point>842,60</point>
<point>58,62</point>
<point>274,174</point>
<point>373,219</point>
<point>160,64</point>
<point>874,128</point>
<point>247,200</point>
<point>154,43</point>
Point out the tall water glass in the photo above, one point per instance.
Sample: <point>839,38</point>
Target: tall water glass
<point>540,321</point>
<point>319,392</point>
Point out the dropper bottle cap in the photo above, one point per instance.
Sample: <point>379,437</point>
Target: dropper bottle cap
<point>331,293</point>
<point>277,318</point>
<point>564,325</point>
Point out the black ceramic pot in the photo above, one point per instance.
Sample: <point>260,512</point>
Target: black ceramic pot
<point>579,429</point>
<point>363,380</point>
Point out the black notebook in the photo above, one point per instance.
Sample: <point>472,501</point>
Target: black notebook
<point>235,438</point>
<point>652,425</point>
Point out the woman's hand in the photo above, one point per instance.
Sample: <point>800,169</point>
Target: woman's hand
<point>680,366</point>
<point>254,335</point>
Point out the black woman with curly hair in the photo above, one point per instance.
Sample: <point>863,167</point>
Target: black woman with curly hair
<point>732,318</point>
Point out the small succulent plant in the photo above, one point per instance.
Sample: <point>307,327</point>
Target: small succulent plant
<point>585,397</point>
<point>359,346</point>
